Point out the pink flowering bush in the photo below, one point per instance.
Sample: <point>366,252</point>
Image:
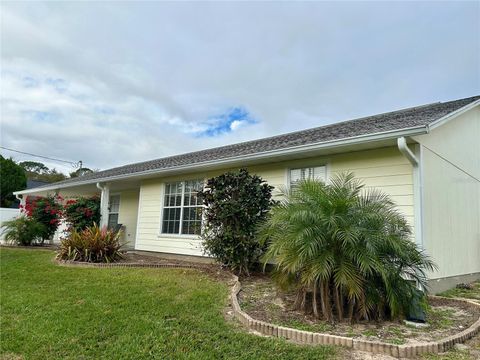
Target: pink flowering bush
<point>82,212</point>
<point>46,211</point>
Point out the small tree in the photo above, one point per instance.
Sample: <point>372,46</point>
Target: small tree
<point>82,212</point>
<point>45,210</point>
<point>234,204</point>
<point>12,179</point>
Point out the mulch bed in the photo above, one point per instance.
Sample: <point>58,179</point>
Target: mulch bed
<point>263,301</point>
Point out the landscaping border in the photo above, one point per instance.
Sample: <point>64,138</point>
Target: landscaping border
<point>313,338</point>
<point>69,263</point>
<point>308,337</point>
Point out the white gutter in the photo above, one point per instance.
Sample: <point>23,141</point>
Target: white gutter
<point>452,115</point>
<point>405,150</point>
<point>386,135</point>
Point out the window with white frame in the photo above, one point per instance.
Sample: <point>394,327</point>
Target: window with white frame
<point>182,210</point>
<point>113,210</point>
<point>307,173</point>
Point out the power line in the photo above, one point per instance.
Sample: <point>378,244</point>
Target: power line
<point>73,163</point>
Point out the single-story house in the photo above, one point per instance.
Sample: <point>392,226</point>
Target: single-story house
<point>427,158</point>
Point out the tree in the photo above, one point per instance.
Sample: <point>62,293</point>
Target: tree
<point>345,250</point>
<point>34,167</point>
<point>12,179</point>
<point>81,172</point>
<point>39,171</point>
<point>234,203</point>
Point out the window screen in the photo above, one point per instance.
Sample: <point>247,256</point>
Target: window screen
<point>309,173</point>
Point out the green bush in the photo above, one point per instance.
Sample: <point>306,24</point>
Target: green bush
<point>82,212</point>
<point>91,245</point>
<point>22,231</point>
<point>345,250</point>
<point>234,203</point>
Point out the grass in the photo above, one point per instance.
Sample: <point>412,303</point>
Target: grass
<point>52,312</point>
<point>464,293</point>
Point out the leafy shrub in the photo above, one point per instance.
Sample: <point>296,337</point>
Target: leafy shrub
<point>22,231</point>
<point>82,212</point>
<point>91,245</point>
<point>345,250</point>
<point>45,210</point>
<point>234,203</point>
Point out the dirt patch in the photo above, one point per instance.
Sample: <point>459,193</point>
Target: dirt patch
<point>263,301</point>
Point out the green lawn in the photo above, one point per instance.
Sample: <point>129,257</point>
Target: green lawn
<point>52,312</point>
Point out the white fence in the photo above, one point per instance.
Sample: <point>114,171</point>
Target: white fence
<point>5,215</point>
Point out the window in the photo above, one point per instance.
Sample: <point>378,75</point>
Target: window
<point>310,173</point>
<point>113,209</point>
<point>182,210</point>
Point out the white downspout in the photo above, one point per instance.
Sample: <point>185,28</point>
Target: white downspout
<point>104,200</point>
<point>405,150</point>
<point>417,188</point>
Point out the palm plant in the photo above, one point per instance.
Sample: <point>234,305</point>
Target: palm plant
<point>22,231</point>
<point>345,250</point>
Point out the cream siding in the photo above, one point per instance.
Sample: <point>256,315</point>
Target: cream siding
<point>127,215</point>
<point>385,169</point>
<point>450,165</point>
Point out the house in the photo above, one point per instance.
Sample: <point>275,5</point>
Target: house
<point>427,158</point>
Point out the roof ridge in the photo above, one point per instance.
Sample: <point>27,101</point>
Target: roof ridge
<point>300,131</point>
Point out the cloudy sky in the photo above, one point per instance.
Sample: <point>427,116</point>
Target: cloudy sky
<point>113,83</point>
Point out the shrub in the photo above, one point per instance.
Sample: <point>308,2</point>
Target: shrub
<point>82,212</point>
<point>45,210</point>
<point>345,250</point>
<point>234,203</point>
<point>91,245</point>
<point>22,231</point>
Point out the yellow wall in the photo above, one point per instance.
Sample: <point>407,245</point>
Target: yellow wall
<point>384,168</point>
<point>450,160</point>
<point>127,215</point>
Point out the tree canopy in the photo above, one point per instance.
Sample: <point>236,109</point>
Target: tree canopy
<point>12,179</point>
<point>39,171</point>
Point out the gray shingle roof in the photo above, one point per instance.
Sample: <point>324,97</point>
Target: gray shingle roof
<point>396,120</point>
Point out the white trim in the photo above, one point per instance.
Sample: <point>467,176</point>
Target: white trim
<point>452,115</point>
<point>119,202</point>
<point>386,135</point>
<point>138,217</point>
<point>179,236</point>
<point>161,234</point>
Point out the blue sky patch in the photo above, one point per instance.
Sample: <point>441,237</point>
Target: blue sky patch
<point>231,120</point>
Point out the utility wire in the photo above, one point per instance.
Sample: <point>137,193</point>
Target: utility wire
<point>73,163</point>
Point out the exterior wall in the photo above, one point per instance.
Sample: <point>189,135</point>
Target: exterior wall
<point>450,166</point>
<point>127,215</point>
<point>384,168</point>
<point>7,214</point>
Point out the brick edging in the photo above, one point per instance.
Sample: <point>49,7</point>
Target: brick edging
<point>313,338</point>
<point>70,263</point>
